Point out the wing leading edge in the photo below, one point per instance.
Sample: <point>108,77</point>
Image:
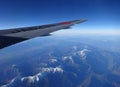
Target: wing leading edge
<point>12,36</point>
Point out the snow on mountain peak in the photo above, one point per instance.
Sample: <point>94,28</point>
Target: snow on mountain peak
<point>82,54</point>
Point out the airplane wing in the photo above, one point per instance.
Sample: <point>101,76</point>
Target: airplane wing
<point>12,36</point>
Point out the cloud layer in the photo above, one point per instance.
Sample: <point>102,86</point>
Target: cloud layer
<point>103,32</point>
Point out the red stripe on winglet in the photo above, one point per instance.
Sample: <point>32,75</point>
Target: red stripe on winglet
<point>66,23</point>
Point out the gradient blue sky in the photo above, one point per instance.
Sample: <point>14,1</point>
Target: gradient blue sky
<point>102,14</point>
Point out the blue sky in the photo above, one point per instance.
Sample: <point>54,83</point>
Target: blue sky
<point>102,14</point>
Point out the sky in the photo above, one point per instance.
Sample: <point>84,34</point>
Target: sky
<point>101,14</point>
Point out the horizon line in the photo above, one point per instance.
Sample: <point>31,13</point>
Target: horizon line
<point>74,32</point>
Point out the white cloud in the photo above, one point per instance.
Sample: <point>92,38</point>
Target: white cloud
<point>104,32</point>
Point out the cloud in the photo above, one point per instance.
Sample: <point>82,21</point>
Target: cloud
<point>75,32</point>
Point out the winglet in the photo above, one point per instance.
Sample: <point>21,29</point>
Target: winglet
<point>81,20</point>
